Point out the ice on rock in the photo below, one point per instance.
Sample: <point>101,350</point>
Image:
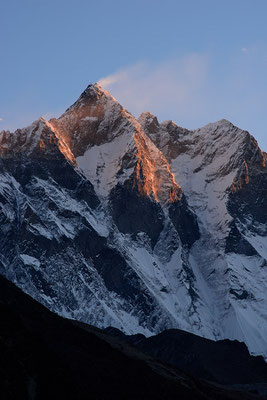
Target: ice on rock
<point>61,243</point>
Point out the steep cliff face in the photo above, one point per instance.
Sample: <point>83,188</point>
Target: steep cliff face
<point>110,146</point>
<point>84,202</point>
<point>223,174</point>
<point>39,141</point>
<point>135,224</point>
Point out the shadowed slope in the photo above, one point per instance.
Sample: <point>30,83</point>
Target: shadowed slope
<point>44,356</point>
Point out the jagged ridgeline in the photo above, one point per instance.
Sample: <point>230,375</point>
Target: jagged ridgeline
<point>137,224</point>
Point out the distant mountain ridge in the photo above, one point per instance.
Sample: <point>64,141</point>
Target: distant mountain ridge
<point>226,362</point>
<point>135,224</point>
<point>46,356</point>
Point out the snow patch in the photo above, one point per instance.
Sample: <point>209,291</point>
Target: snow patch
<point>29,260</point>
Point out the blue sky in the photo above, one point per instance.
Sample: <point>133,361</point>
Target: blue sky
<point>193,61</point>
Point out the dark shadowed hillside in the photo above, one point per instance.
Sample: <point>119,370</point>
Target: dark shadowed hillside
<point>44,356</point>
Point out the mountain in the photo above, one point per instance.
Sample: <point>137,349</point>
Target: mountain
<point>223,174</point>
<point>143,226</point>
<point>109,144</point>
<point>46,356</point>
<point>226,362</point>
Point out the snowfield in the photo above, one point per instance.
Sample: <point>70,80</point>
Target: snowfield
<point>138,225</point>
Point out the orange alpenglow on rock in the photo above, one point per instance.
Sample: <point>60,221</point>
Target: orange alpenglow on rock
<point>152,172</point>
<point>242,180</point>
<point>109,145</point>
<point>56,138</point>
<point>39,140</point>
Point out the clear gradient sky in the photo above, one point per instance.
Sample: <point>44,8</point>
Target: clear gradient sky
<point>192,61</point>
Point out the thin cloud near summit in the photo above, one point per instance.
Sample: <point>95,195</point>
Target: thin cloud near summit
<point>166,86</point>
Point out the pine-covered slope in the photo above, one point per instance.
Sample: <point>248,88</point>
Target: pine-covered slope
<point>135,224</point>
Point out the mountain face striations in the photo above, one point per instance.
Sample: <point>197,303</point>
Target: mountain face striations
<point>135,224</point>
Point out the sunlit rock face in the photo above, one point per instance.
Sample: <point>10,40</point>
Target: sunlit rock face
<point>110,146</point>
<point>137,224</point>
<point>153,175</point>
<point>94,119</point>
<point>40,140</point>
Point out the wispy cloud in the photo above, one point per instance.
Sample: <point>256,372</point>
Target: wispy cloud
<point>162,88</point>
<point>195,89</point>
<point>1,119</point>
<point>53,114</point>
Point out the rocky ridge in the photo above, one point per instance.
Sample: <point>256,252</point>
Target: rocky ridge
<point>135,224</point>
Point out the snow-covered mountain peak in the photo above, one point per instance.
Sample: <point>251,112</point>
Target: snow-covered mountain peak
<point>92,120</point>
<point>216,138</point>
<point>95,90</point>
<point>39,140</point>
<point>168,122</point>
<point>110,145</point>
<point>208,163</point>
<point>148,121</point>
<point>219,142</point>
<point>222,123</point>
<point>165,135</point>
<point>221,133</point>
<point>122,243</point>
